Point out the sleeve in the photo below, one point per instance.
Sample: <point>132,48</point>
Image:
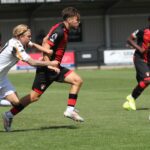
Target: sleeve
<point>19,52</point>
<point>136,34</point>
<point>55,37</point>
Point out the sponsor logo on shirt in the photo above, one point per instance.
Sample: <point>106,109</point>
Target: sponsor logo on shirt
<point>43,86</point>
<point>53,37</point>
<point>147,74</point>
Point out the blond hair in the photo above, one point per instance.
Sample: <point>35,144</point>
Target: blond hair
<point>20,30</point>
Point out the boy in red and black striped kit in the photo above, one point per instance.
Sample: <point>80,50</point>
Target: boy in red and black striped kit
<point>141,63</point>
<point>56,40</point>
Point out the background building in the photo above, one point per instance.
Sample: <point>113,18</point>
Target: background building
<point>105,24</point>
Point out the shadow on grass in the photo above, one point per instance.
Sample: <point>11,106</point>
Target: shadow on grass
<point>143,109</point>
<point>45,128</point>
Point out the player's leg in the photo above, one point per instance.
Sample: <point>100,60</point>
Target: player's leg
<point>30,98</point>
<point>143,78</point>
<point>7,116</point>
<point>76,82</point>
<point>4,102</point>
<point>39,86</point>
<point>7,91</point>
<point>17,108</point>
<point>26,100</point>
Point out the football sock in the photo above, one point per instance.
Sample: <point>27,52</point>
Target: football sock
<point>16,109</point>
<point>139,89</point>
<point>72,101</point>
<point>70,108</point>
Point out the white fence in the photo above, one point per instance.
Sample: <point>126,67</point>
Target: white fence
<point>112,57</point>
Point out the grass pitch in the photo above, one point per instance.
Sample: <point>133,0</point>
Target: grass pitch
<point>107,126</point>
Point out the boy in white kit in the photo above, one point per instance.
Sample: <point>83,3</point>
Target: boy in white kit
<point>10,54</point>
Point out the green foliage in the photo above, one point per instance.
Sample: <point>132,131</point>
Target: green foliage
<point>107,126</point>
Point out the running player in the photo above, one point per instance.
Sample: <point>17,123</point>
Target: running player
<point>141,62</point>
<point>13,51</point>
<point>56,41</point>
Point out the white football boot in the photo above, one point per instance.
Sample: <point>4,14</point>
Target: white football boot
<point>73,115</point>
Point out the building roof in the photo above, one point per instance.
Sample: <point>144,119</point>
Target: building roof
<point>44,8</point>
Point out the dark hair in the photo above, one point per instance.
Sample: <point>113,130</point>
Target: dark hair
<point>70,12</point>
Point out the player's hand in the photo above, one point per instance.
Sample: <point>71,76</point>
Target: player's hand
<point>141,50</point>
<point>30,44</point>
<point>48,51</point>
<point>57,70</point>
<point>55,63</point>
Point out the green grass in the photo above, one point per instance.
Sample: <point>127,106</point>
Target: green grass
<point>107,126</point>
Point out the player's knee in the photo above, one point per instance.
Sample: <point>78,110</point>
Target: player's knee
<point>34,98</point>
<point>15,102</point>
<point>78,81</point>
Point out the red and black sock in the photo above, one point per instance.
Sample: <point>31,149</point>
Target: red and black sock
<point>72,100</point>
<point>139,89</point>
<point>16,109</point>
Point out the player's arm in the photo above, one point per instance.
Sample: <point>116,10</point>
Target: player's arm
<point>40,48</point>
<point>131,41</point>
<point>20,53</point>
<point>35,63</point>
<point>45,44</point>
<point>50,64</point>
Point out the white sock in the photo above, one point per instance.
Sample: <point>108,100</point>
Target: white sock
<point>5,102</point>
<point>70,108</point>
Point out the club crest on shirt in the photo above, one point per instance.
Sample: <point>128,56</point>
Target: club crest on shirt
<point>53,37</point>
<point>43,86</point>
<point>147,74</point>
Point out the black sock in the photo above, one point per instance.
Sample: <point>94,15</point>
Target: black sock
<point>138,89</point>
<point>16,109</point>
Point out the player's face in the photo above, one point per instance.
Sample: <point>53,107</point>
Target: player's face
<point>26,37</point>
<point>74,22</point>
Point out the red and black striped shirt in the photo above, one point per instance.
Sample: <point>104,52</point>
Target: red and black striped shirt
<point>143,40</point>
<point>57,39</point>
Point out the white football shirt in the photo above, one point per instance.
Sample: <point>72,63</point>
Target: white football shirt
<point>10,54</point>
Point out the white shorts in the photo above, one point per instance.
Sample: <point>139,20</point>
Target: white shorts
<point>6,88</point>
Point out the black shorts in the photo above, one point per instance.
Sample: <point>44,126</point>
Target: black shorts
<point>44,77</point>
<point>142,69</point>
